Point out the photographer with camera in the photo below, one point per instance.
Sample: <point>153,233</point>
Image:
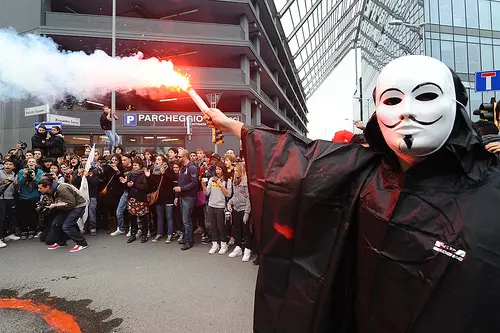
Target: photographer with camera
<point>7,203</point>
<point>69,206</point>
<point>28,179</point>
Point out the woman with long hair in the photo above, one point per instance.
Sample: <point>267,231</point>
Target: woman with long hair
<point>27,180</point>
<point>239,206</point>
<point>218,190</point>
<point>137,204</point>
<point>157,179</point>
<point>110,191</point>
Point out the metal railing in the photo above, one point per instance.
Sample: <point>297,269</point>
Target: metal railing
<point>207,75</point>
<point>144,26</point>
<point>253,84</point>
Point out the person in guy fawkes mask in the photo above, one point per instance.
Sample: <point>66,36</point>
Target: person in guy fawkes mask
<point>396,237</point>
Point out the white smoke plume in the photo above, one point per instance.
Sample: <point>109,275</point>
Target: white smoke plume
<point>32,66</point>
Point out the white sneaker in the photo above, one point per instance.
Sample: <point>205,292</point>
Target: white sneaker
<point>11,237</point>
<point>181,238</point>
<point>157,238</point>
<point>246,255</point>
<point>223,248</point>
<point>38,234</point>
<point>2,244</point>
<point>169,239</point>
<point>231,241</point>
<point>118,232</point>
<point>139,232</point>
<point>149,234</point>
<point>215,248</point>
<point>236,252</point>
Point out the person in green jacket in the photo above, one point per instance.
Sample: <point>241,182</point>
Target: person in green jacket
<point>27,180</point>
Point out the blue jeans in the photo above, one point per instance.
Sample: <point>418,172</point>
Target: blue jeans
<point>120,210</point>
<point>187,206</point>
<point>65,222</point>
<point>114,139</point>
<point>162,211</point>
<point>93,213</point>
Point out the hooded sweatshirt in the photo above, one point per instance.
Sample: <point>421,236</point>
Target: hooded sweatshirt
<point>217,199</point>
<point>241,199</point>
<point>350,243</point>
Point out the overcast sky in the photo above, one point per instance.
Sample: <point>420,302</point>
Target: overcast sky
<point>332,103</point>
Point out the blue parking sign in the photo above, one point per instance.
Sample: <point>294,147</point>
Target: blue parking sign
<point>48,125</point>
<point>130,119</point>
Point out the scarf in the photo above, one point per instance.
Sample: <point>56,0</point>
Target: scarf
<point>136,173</point>
<point>158,170</point>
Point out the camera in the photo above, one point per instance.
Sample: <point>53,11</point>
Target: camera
<point>31,173</point>
<point>23,145</point>
<point>40,207</point>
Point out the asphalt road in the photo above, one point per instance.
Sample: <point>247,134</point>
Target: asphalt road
<point>118,287</point>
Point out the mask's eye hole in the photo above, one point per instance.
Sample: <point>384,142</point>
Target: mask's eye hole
<point>392,101</point>
<point>428,96</point>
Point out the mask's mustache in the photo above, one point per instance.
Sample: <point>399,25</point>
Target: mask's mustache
<point>425,123</point>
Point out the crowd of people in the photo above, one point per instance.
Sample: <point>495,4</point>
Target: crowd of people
<point>143,195</point>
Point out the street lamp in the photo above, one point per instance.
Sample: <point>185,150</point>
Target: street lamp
<point>113,54</point>
<point>420,28</point>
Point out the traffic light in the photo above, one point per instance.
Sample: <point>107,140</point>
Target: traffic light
<point>217,136</point>
<point>488,111</point>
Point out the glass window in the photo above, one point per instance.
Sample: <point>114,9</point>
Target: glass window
<point>472,13</point>
<point>459,13</point>
<point>446,37</point>
<point>447,54</point>
<point>434,11</point>
<point>486,40</point>
<point>495,8</point>
<point>428,47</point>
<point>77,139</point>
<point>486,57</point>
<point>436,49</point>
<point>475,99</point>
<point>427,14</point>
<point>445,14</point>
<point>461,57</point>
<point>496,56</point>
<point>460,38</point>
<point>484,14</point>
<point>474,58</point>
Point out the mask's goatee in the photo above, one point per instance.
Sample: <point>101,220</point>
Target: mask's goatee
<point>408,139</point>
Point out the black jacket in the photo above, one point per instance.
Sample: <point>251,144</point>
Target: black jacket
<point>138,191</point>
<point>105,122</point>
<point>55,146</point>
<point>349,243</point>
<point>39,142</point>
<point>166,195</point>
<point>93,179</point>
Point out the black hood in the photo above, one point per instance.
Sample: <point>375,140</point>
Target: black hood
<point>463,150</point>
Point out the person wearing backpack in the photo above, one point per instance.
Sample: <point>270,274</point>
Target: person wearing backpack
<point>218,189</point>
<point>70,206</point>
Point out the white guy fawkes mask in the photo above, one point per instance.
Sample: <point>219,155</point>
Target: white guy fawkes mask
<point>416,105</point>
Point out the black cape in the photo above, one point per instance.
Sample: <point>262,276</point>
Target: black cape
<point>349,243</point>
